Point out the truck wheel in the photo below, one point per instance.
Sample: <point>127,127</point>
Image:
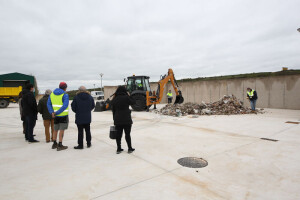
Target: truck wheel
<point>140,102</point>
<point>3,103</point>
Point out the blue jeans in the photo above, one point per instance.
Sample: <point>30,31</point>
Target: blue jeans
<point>253,104</point>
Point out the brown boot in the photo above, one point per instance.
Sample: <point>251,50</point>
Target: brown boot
<point>61,147</point>
<point>54,145</point>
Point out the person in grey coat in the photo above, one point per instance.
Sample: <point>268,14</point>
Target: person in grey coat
<point>47,117</point>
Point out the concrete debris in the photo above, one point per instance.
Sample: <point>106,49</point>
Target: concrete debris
<point>228,105</point>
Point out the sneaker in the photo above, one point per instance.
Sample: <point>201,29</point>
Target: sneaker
<point>33,141</point>
<point>119,151</point>
<point>61,147</point>
<point>89,145</point>
<point>131,150</point>
<point>78,147</point>
<point>54,145</point>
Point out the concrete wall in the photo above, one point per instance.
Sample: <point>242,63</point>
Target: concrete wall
<point>273,92</point>
<point>109,90</point>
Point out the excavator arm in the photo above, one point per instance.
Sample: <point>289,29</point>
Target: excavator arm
<point>156,99</point>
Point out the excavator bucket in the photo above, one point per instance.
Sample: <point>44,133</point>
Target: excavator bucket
<point>179,99</point>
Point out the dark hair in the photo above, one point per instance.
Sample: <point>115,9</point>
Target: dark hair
<point>121,90</point>
<point>28,86</point>
<point>20,95</point>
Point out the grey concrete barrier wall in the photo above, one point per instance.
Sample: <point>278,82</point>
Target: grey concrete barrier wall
<point>108,91</point>
<point>273,92</point>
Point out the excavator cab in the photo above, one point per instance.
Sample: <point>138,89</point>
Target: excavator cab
<point>138,83</point>
<point>138,86</point>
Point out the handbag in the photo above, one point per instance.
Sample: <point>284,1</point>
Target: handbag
<point>113,133</point>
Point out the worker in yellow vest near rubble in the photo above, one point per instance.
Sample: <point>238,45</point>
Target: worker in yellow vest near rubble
<point>252,96</point>
<point>58,106</point>
<point>170,96</point>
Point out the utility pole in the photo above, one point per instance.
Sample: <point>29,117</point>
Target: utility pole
<point>101,81</point>
<point>94,88</point>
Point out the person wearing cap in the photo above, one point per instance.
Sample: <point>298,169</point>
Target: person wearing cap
<point>58,106</point>
<point>47,117</point>
<point>82,104</point>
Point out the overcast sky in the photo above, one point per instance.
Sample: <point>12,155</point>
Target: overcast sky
<point>76,40</point>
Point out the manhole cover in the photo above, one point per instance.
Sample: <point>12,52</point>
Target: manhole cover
<point>192,162</point>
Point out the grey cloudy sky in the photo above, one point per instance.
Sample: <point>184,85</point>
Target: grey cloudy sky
<point>76,40</point>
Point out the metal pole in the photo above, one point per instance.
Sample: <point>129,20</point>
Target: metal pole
<point>101,81</point>
<point>94,88</point>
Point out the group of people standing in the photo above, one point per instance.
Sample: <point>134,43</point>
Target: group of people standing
<point>54,108</point>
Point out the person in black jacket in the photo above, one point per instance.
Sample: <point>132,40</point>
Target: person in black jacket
<point>30,111</point>
<point>83,103</point>
<point>122,117</point>
<point>21,112</point>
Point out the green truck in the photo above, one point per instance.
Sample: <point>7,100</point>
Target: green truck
<point>11,85</point>
<point>9,94</point>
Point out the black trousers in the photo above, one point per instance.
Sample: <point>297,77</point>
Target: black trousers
<point>24,126</point>
<point>170,100</point>
<point>30,121</point>
<point>88,137</point>
<point>127,130</point>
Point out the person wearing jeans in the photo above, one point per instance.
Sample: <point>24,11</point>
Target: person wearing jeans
<point>122,117</point>
<point>83,104</point>
<point>252,96</point>
<point>253,104</point>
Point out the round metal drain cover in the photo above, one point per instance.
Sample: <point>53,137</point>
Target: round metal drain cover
<point>192,162</point>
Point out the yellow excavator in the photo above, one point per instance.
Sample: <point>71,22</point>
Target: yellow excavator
<point>139,88</point>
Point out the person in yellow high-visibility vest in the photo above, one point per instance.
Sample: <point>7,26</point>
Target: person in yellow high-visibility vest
<point>252,96</point>
<point>58,106</point>
<point>170,96</point>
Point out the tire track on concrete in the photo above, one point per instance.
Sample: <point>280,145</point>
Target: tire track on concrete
<point>130,185</point>
<point>233,149</point>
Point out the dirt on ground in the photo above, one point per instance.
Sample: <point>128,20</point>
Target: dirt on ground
<point>228,105</point>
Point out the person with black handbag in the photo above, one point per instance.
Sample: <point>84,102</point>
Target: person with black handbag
<point>122,117</point>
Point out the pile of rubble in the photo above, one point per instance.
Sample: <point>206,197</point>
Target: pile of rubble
<point>228,105</point>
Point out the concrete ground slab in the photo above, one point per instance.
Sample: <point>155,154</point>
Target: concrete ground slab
<point>240,164</point>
